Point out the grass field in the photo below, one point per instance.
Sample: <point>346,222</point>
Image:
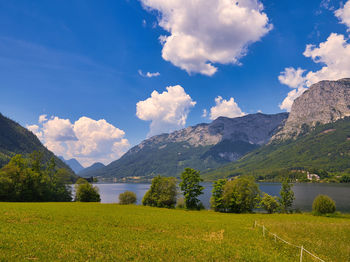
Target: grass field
<point>110,232</point>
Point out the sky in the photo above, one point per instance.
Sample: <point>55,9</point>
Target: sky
<point>93,78</point>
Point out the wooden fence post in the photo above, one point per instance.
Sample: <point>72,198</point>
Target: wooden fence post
<point>301,253</point>
<point>264,231</point>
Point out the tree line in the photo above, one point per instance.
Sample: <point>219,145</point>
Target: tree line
<point>29,180</point>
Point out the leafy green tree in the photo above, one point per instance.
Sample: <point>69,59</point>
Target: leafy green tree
<point>85,192</point>
<point>30,181</point>
<point>323,205</point>
<point>287,196</point>
<point>127,198</point>
<point>162,193</point>
<point>191,188</point>
<point>269,203</point>
<point>216,200</point>
<point>241,195</point>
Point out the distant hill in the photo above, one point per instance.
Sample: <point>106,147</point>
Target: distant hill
<point>316,135</point>
<point>203,147</point>
<point>91,170</point>
<point>15,139</point>
<point>73,164</point>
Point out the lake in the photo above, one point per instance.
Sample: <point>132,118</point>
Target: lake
<point>304,193</point>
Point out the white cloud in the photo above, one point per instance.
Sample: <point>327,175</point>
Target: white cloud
<point>292,77</point>
<point>86,139</point>
<point>42,118</point>
<point>333,55</point>
<point>148,74</point>
<point>205,113</point>
<point>207,32</point>
<point>167,111</point>
<point>344,14</point>
<point>227,108</point>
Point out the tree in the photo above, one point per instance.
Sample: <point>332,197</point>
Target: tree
<point>29,180</point>
<point>269,203</point>
<point>287,196</point>
<point>127,198</point>
<point>216,200</point>
<point>241,195</point>
<point>323,205</point>
<point>85,192</point>
<point>162,192</point>
<point>191,188</point>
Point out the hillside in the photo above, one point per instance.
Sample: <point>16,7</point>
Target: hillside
<point>15,139</point>
<point>203,147</point>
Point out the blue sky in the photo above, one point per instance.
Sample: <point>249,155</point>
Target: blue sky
<point>71,59</point>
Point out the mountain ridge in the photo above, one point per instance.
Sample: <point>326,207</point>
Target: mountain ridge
<point>203,146</point>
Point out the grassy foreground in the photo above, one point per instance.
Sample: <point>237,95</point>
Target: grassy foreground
<point>109,232</point>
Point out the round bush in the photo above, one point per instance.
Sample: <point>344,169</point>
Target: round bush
<point>323,205</point>
<point>127,198</point>
<point>85,192</point>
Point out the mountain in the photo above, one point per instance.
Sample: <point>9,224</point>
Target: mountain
<point>324,102</point>
<point>316,135</point>
<point>326,147</point>
<point>91,170</point>
<point>73,164</point>
<point>203,147</point>
<point>15,139</point>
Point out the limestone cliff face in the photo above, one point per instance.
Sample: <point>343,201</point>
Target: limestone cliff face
<point>323,102</point>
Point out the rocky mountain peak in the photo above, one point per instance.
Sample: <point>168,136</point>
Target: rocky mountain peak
<point>323,102</point>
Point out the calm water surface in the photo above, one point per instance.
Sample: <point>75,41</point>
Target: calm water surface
<point>304,193</point>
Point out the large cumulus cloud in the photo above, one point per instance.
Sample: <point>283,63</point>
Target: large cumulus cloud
<point>167,111</point>
<point>86,139</point>
<point>203,32</point>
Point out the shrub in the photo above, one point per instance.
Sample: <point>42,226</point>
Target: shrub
<point>269,203</point>
<point>241,195</point>
<point>85,192</point>
<point>191,188</point>
<point>323,205</point>
<point>162,192</point>
<point>127,198</point>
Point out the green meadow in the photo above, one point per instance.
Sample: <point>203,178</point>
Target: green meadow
<point>110,232</point>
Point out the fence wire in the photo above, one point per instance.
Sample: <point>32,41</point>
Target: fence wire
<point>302,249</point>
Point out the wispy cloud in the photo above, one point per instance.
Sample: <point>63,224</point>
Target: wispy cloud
<point>148,74</point>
